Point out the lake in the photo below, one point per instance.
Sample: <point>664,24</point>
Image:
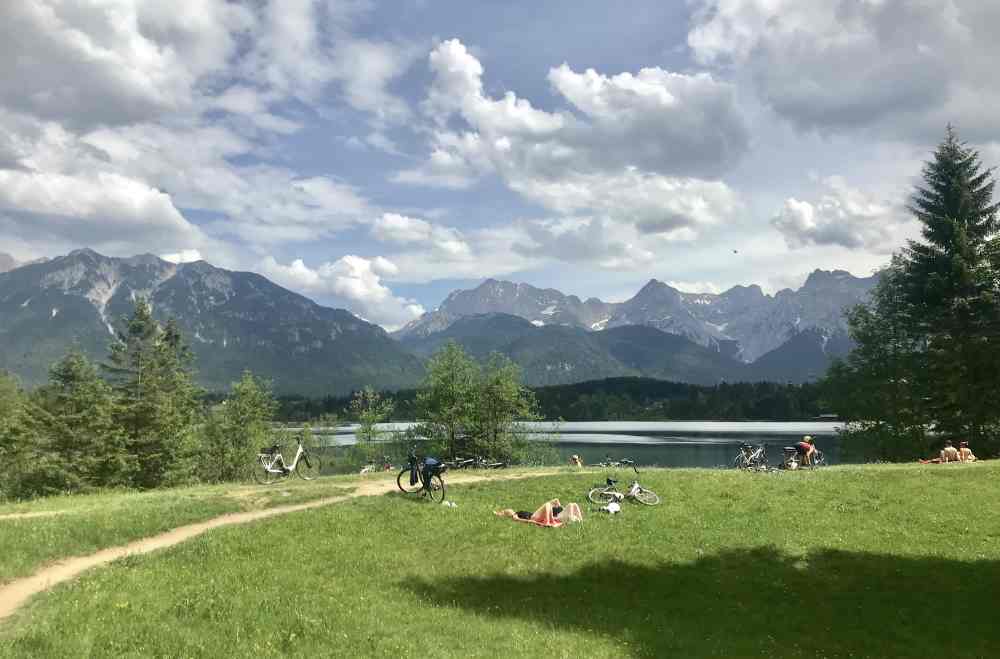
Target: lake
<point>661,443</point>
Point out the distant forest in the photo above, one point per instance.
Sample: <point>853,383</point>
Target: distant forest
<point>615,399</point>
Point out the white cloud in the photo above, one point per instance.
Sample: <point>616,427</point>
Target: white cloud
<point>904,68</point>
<point>111,61</point>
<point>655,204</point>
<point>635,152</point>
<point>101,208</point>
<point>352,281</point>
<point>847,217</point>
<point>444,241</point>
<point>598,241</point>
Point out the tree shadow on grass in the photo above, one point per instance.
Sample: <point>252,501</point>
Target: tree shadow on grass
<point>756,602</point>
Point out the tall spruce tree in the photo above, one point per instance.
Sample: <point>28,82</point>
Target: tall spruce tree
<point>951,287</point>
<point>158,401</point>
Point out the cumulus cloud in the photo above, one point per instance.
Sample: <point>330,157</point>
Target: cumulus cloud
<point>634,150</point>
<point>654,204</point>
<point>92,209</point>
<point>352,281</point>
<point>169,106</point>
<point>113,63</point>
<point>593,240</point>
<point>847,217</point>
<point>444,241</point>
<point>913,66</point>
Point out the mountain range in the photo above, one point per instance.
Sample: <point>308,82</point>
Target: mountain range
<point>742,322</point>
<point>239,320</point>
<point>233,320</point>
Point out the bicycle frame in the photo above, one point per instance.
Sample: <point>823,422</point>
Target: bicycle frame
<point>275,458</point>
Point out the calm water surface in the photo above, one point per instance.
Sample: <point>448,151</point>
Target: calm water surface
<point>663,443</point>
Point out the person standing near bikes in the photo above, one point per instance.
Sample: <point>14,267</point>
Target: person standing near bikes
<point>807,449</point>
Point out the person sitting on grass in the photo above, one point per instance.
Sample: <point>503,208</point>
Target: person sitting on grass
<point>948,454</point>
<point>807,449</point>
<point>575,461</point>
<point>965,453</point>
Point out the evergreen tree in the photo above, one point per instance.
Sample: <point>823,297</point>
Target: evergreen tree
<point>950,283</point>
<point>81,423</point>
<point>881,386</point>
<point>157,400</point>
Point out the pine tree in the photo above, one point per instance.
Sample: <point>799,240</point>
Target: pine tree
<point>880,387</point>
<point>85,437</point>
<point>157,399</point>
<point>951,287</point>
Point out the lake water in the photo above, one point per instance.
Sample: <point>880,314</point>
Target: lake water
<point>661,443</point>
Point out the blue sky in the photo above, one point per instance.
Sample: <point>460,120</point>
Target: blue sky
<point>376,155</point>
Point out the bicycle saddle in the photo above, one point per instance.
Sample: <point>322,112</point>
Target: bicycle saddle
<point>611,481</point>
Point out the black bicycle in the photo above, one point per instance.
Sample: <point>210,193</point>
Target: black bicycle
<point>422,476</point>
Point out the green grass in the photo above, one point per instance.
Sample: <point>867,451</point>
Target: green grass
<point>83,524</point>
<point>845,562</point>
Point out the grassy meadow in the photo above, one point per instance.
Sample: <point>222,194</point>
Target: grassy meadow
<point>38,532</point>
<point>848,561</point>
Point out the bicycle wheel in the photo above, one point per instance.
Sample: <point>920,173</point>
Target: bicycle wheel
<point>740,462</point>
<point>403,482</point>
<point>262,475</point>
<point>647,497</point>
<point>600,496</point>
<point>308,467</point>
<point>435,489</point>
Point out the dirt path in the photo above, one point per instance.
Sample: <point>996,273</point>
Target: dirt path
<point>14,594</point>
<point>44,513</point>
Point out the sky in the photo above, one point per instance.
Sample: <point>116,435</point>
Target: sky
<point>377,155</point>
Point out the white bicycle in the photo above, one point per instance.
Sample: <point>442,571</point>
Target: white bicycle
<point>270,466</point>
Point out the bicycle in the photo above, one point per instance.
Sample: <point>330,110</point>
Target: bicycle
<point>608,462</point>
<point>422,476</point>
<point>751,457</point>
<point>372,467</point>
<point>270,466</point>
<point>603,495</point>
<point>463,463</point>
<point>793,460</point>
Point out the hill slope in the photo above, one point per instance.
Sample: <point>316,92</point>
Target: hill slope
<point>561,354</point>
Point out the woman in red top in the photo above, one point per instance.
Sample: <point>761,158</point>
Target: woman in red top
<point>806,449</point>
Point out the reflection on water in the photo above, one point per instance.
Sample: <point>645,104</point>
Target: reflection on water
<point>667,443</point>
